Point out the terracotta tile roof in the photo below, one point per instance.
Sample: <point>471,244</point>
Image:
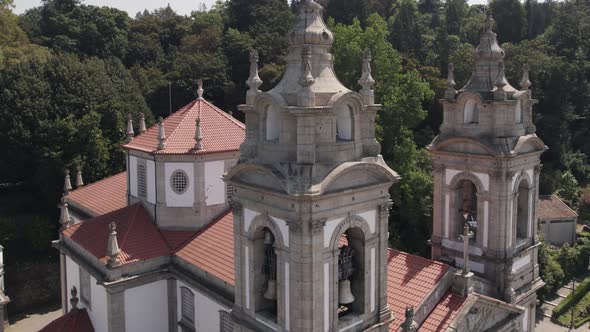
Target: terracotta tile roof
<point>101,197</point>
<point>138,237</point>
<point>221,132</point>
<point>410,279</point>
<point>176,238</point>
<point>71,322</point>
<point>551,207</point>
<point>212,249</point>
<point>444,313</point>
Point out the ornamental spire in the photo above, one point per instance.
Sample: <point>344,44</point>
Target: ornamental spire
<point>306,97</point>
<point>500,83</point>
<point>113,246</point>
<point>142,127</point>
<point>79,181</point>
<point>200,89</point>
<point>74,300</point>
<point>366,81</point>
<point>67,183</point>
<point>161,135</point>
<point>64,219</point>
<point>254,81</point>
<point>130,132</point>
<point>450,91</point>
<point>525,83</point>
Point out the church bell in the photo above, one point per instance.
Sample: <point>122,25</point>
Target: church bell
<point>271,291</point>
<point>344,293</point>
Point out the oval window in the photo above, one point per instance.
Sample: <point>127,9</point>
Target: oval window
<point>179,181</point>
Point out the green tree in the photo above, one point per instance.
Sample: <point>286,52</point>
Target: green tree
<point>510,19</point>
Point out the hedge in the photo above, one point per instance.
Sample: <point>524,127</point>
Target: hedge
<point>581,294</point>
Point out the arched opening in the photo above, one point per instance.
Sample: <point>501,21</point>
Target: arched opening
<point>470,112</point>
<point>518,112</point>
<point>344,122</point>
<point>351,273</point>
<point>265,279</point>
<point>466,207</point>
<point>522,210</point>
<point>272,123</point>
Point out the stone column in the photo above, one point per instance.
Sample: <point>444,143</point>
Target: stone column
<point>116,310</point>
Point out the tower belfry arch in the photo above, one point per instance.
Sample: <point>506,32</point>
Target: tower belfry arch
<point>318,177</point>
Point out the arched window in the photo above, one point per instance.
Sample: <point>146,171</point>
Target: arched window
<point>518,112</point>
<point>273,125</point>
<point>141,181</point>
<point>470,112</point>
<point>344,122</point>
<point>522,210</point>
<point>265,262</point>
<point>351,273</point>
<point>466,207</point>
<point>187,318</point>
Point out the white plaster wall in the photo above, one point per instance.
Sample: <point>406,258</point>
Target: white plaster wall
<point>151,181</point>
<point>132,173</point>
<point>474,266</point>
<point>214,185</point>
<point>146,307</point>
<point>447,214</point>
<point>249,215</point>
<point>373,278</point>
<point>329,230</point>
<point>525,320</point>
<point>370,217</point>
<point>483,178</point>
<point>185,199</point>
<point>486,208</point>
<point>520,263</point>
<point>247,274</point>
<point>206,310</point>
<point>326,297</point>
<point>283,228</point>
<point>98,298</point>
<point>287,298</point>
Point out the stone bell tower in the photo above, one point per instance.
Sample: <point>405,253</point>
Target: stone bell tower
<point>310,198</point>
<point>486,174</point>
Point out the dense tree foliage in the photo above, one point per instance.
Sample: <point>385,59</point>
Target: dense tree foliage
<point>70,73</point>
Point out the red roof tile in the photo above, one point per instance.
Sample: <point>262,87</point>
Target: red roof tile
<point>103,196</point>
<point>444,313</point>
<point>176,238</point>
<point>212,249</point>
<point>138,237</point>
<point>71,322</point>
<point>410,279</point>
<point>221,132</point>
<point>551,207</point>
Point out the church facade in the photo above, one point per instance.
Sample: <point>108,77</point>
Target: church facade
<point>282,224</point>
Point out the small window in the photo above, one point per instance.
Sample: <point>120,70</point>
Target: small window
<point>272,124</point>
<point>226,324</point>
<point>141,181</point>
<point>179,181</point>
<point>229,191</point>
<point>344,122</point>
<point>187,319</point>
<point>471,113</point>
<point>518,112</point>
<point>85,287</point>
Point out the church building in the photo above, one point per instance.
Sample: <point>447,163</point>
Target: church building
<point>281,224</point>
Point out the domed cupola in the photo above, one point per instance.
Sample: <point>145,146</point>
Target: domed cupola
<point>488,72</point>
<point>310,28</point>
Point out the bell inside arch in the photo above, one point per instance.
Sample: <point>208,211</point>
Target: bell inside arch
<point>271,290</point>
<point>344,293</point>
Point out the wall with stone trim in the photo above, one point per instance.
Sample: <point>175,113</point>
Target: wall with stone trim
<point>206,309</point>
<point>146,308</point>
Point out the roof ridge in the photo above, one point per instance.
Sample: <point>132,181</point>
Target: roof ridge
<point>419,257</point>
<point>224,113</point>
<point>97,182</point>
<point>126,235</point>
<point>184,109</point>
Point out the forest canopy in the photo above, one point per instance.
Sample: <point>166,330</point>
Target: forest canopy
<point>70,73</point>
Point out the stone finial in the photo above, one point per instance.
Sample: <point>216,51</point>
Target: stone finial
<point>306,97</point>
<point>74,299</point>
<point>130,132</point>
<point>200,89</point>
<point>488,24</point>
<point>500,83</point>
<point>142,127</point>
<point>79,181</point>
<point>113,246</point>
<point>254,81</point>
<point>64,219</point>
<point>198,134</point>
<point>450,91</point>
<point>366,81</point>
<point>525,83</point>
<point>67,183</point>
<point>467,234</point>
<point>161,135</point>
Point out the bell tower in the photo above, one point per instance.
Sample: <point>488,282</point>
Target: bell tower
<point>310,197</point>
<point>486,174</point>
